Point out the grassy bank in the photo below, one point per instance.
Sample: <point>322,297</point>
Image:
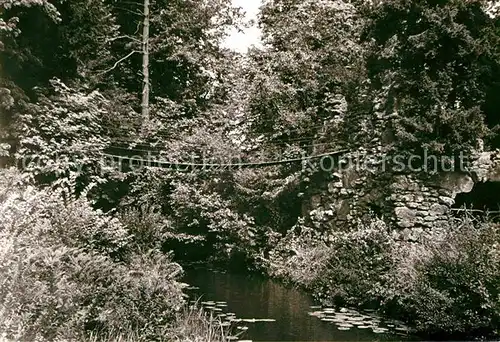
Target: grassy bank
<point>446,287</point>
<point>72,273</point>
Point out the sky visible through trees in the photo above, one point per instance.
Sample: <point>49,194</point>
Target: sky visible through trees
<point>178,81</point>
<point>241,41</point>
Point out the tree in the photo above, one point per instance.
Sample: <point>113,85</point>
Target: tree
<point>437,64</point>
<point>183,50</point>
<point>306,74</point>
<point>145,65</point>
<point>40,40</point>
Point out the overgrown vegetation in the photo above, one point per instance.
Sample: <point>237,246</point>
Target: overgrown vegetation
<point>444,287</point>
<point>70,272</point>
<point>86,245</point>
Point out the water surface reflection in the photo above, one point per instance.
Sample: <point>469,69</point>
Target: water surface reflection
<point>269,311</point>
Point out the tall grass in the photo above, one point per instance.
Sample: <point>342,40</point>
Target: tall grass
<point>192,324</point>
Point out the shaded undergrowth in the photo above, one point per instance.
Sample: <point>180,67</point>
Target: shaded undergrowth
<point>69,272</point>
<point>443,286</point>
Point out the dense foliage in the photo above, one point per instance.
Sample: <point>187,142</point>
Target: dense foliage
<point>86,243</point>
<point>442,288</point>
<point>438,64</point>
<point>68,270</point>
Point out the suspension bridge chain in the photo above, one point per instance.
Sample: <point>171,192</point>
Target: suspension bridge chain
<point>140,160</point>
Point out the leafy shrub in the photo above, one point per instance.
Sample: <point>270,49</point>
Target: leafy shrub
<point>299,257</point>
<point>196,325</point>
<point>61,274</point>
<point>147,225</point>
<point>342,267</point>
<point>441,286</point>
<point>457,289</point>
<point>62,138</point>
<point>202,209</point>
<point>45,215</point>
<point>357,262</point>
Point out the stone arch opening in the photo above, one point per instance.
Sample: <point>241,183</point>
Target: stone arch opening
<point>483,196</point>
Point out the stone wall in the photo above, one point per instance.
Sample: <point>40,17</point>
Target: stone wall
<point>415,204</point>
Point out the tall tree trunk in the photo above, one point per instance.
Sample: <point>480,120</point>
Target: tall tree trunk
<point>145,67</point>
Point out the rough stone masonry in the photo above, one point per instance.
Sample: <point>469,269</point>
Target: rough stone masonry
<point>415,203</point>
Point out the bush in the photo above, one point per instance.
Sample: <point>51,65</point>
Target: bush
<point>67,270</point>
<point>447,286</point>
<point>357,264</point>
<point>341,267</point>
<point>62,137</point>
<point>457,290</point>
<point>299,257</point>
<point>147,225</point>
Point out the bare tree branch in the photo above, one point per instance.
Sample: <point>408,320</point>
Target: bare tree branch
<point>118,62</point>
<point>121,37</point>
<point>139,13</point>
<point>138,27</point>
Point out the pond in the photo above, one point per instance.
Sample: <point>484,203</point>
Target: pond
<point>261,309</point>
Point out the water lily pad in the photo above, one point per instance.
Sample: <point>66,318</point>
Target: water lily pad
<point>358,323</point>
<point>364,327</point>
<point>326,319</point>
<point>345,325</point>
<point>316,313</point>
<point>343,328</point>
<point>315,306</point>
<point>379,330</point>
<point>249,320</point>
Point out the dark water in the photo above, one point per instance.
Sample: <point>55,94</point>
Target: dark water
<point>292,314</point>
